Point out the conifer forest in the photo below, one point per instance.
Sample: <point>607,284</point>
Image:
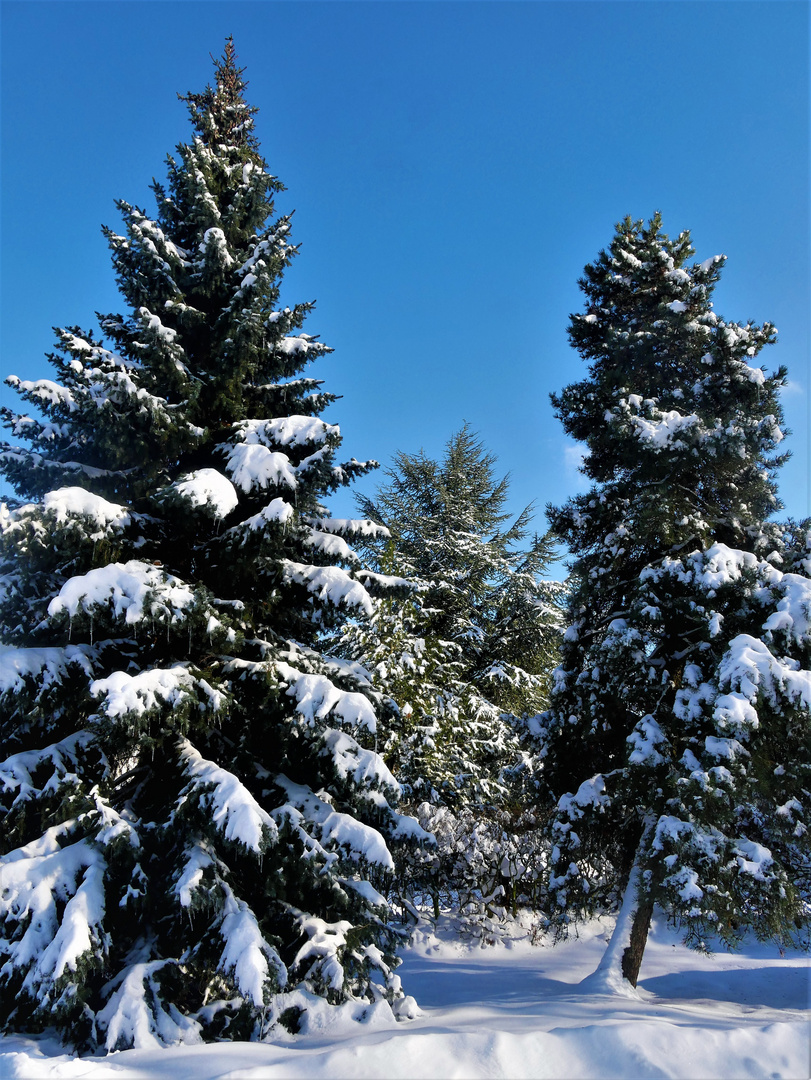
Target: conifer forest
<point>250,748</point>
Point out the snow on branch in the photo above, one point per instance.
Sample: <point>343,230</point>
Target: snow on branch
<point>132,590</point>
<point>57,894</point>
<point>69,503</point>
<point>17,772</point>
<point>153,689</point>
<point>48,666</point>
<point>664,428</point>
<point>30,459</point>
<point>318,697</point>
<point>136,1017</point>
<point>246,955</point>
<point>324,943</point>
<point>208,490</point>
<point>350,527</point>
<point>387,582</point>
<point>198,858</point>
<point>44,393</point>
<point>233,809</point>
<point>290,431</point>
<point>750,669</point>
<point>591,793</point>
<point>362,767</point>
<point>330,546</point>
<point>277,512</point>
<point>329,583</point>
<point>252,465</point>
<point>645,739</point>
<point>332,830</point>
<point>793,614</point>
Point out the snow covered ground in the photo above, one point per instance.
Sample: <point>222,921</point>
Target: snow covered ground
<point>515,1012</point>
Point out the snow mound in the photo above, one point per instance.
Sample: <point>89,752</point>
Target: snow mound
<point>519,1011</point>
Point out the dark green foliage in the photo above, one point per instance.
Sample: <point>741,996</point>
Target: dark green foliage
<point>459,657</point>
<point>191,816</point>
<point>476,641</point>
<point>678,728</point>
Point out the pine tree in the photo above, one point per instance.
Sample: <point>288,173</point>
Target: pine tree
<point>678,731</point>
<point>194,825</point>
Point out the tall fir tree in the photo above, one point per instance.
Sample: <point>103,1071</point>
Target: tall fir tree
<point>194,825</point>
<point>678,732</point>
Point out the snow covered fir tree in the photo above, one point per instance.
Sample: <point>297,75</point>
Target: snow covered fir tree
<point>678,736</point>
<point>195,829</point>
<point>484,624</point>
<point>466,659</point>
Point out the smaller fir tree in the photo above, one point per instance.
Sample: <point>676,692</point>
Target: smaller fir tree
<point>483,621</point>
<point>458,657</point>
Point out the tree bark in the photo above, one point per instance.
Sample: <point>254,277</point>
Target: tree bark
<point>632,956</point>
<point>618,970</point>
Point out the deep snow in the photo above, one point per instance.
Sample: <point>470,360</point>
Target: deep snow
<point>517,1011</point>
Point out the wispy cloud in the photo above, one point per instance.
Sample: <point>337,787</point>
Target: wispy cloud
<point>791,388</point>
<point>573,457</point>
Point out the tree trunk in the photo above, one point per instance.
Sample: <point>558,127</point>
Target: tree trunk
<point>618,970</point>
<point>632,956</point>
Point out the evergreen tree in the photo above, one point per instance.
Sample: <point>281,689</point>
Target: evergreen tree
<point>484,622</point>
<point>678,732</point>
<point>420,676</point>
<point>193,820</point>
<point>474,643</point>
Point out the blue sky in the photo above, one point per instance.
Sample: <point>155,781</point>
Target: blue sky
<point>453,166</point>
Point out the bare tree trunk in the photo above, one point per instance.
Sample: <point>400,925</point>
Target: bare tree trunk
<point>618,969</point>
<point>632,956</point>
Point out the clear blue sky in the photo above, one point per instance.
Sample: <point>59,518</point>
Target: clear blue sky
<point>452,165</point>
